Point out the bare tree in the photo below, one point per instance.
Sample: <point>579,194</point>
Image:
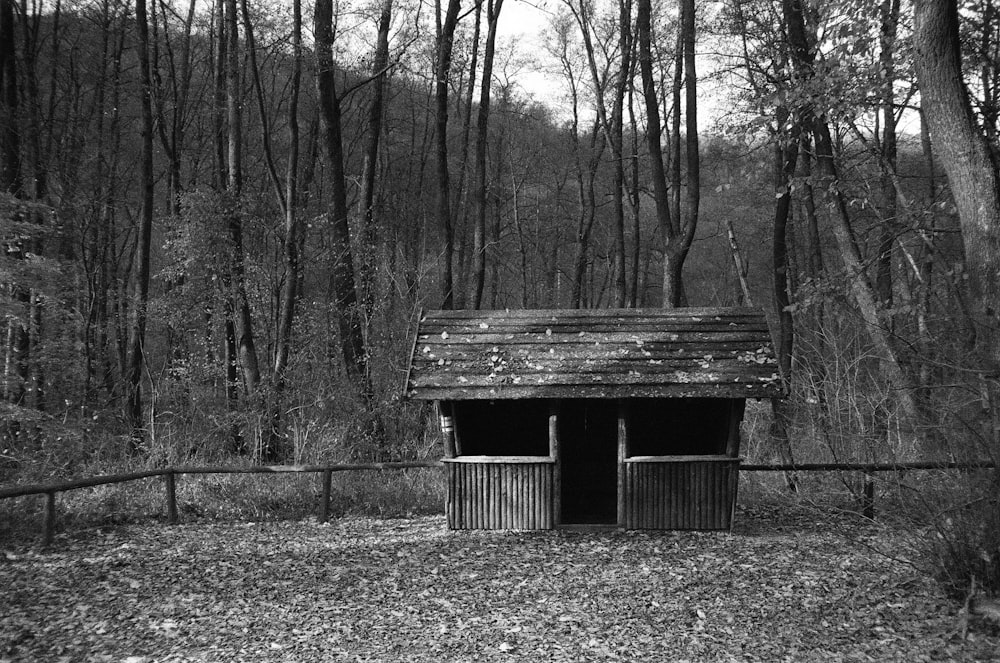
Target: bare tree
<point>862,288</point>
<point>10,137</point>
<point>445,44</point>
<point>11,181</point>
<point>240,305</point>
<point>889,208</point>
<point>379,71</point>
<point>137,333</point>
<point>969,163</point>
<point>478,276</point>
<point>289,289</point>
<point>611,124</point>
<point>350,328</point>
<point>676,233</point>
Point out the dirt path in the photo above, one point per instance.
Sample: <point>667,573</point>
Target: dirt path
<point>409,590</point>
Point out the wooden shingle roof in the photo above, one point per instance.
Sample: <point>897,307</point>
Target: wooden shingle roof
<point>593,353</point>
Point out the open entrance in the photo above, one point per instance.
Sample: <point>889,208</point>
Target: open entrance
<point>588,462</point>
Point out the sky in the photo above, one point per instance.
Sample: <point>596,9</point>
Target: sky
<point>524,21</point>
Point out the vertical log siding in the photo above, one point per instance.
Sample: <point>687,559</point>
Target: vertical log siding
<point>680,492</point>
<point>500,493</point>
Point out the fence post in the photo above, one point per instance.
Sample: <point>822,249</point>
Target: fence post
<point>324,507</point>
<point>868,502</point>
<point>50,518</point>
<point>171,497</point>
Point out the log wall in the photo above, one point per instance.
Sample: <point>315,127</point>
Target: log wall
<point>511,494</point>
<point>681,492</point>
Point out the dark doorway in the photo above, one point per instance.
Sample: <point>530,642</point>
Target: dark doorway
<point>588,462</point>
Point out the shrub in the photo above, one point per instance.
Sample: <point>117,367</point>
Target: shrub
<point>963,546</point>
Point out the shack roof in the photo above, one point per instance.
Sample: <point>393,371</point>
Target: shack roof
<point>593,353</point>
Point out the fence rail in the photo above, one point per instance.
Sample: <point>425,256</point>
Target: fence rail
<point>170,479</point>
<point>868,467</point>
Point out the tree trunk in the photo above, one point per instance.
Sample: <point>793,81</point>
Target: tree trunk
<point>617,141</point>
<point>351,331</point>
<point>667,223</point>
<point>889,208</point>
<point>692,156</point>
<point>862,289</point>
<point>612,129</point>
<point>585,172</point>
<point>220,174</point>
<point>634,186</point>
<point>445,42</point>
<point>11,181</point>
<point>677,233</point>
<point>265,127</point>
<point>965,155</point>
<point>10,137</point>
<point>137,332</point>
<point>786,149</point>
<point>370,167</point>
<point>459,196</point>
<point>289,287</point>
<point>478,274</point>
<point>972,173</point>
<point>245,345</point>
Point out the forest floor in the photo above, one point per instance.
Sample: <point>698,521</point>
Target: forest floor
<point>778,588</point>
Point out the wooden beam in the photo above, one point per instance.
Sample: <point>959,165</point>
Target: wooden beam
<point>58,487</point>
<point>868,467</point>
<point>506,460</point>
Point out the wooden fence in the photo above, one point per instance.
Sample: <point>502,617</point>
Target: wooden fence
<point>170,480</point>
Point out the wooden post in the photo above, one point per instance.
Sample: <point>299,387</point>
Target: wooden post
<point>734,482</point>
<point>171,497</point>
<point>446,413</point>
<point>50,518</point>
<point>868,502</point>
<point>556,464</point>
<point>737,407</point>
<point>623,451</point>
<point>324,506</point>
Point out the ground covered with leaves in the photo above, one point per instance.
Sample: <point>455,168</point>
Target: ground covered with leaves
<point>410,590</point>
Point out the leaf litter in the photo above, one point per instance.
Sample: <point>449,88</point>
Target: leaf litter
<point>410,590</point>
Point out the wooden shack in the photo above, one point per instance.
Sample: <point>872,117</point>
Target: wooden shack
<point>623,417</point>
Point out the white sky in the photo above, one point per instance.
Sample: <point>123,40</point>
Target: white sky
<point>524,21</point>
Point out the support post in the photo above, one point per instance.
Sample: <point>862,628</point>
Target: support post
<point>50,518</point>
<point>170,477</point>
<point>554,452</point>
<point>324,507</point>
<point>446,414</point>
<point>623,452</point>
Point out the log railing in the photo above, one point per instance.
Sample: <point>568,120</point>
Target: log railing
<point>170,479</point>
<point>170,482</point>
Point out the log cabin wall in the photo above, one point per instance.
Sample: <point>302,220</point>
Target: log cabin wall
<point>496,493</point>
<point>684,492</point>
